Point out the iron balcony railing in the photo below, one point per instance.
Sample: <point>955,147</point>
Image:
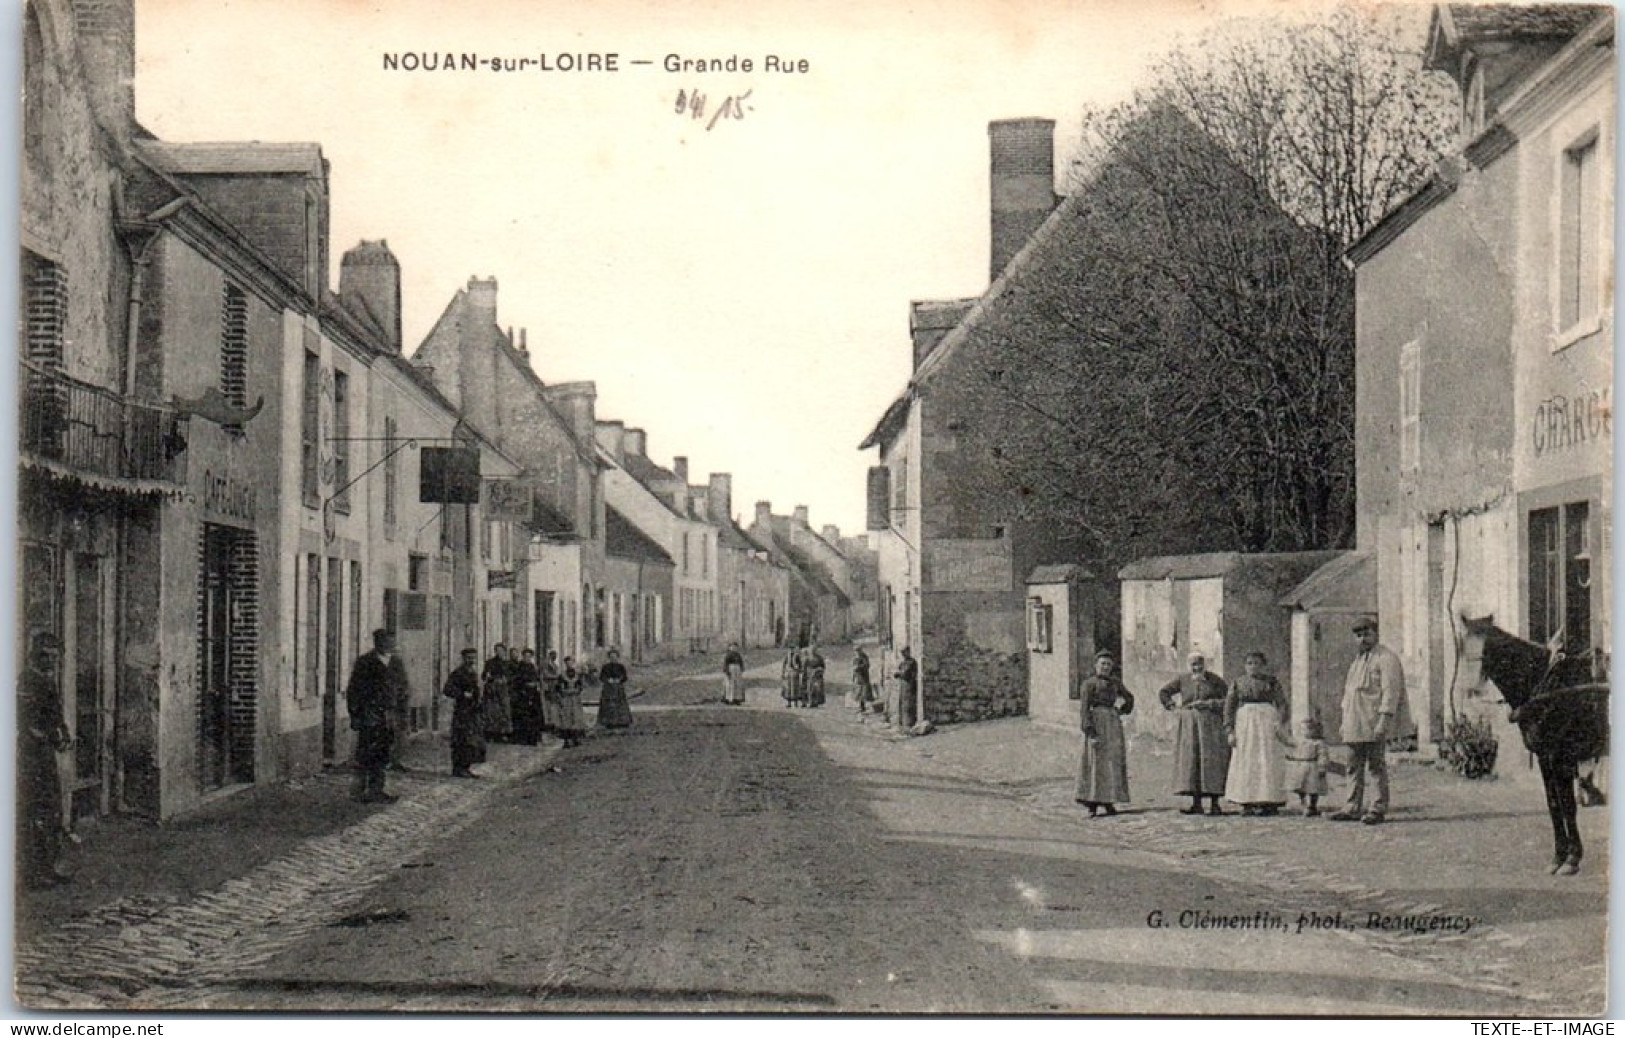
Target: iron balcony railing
<point>96,431</point>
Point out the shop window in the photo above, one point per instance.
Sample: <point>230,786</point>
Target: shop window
<point>1560,568</point>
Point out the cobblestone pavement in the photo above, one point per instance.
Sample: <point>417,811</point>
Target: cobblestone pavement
<point>151,952</point>
<point>160,952</point>
<point>1490,957</point>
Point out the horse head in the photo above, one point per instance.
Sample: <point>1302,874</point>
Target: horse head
<point>1516,667</point>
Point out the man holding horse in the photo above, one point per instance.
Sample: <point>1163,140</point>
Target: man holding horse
<point>1372,694</point>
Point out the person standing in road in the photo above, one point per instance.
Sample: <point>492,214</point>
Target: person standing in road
<point>1307,762</point>
<point>1373,693</point>
<point>1256,721</point>
<point>790,677</point>
<point>551,675</point>
<point>494,703</point>
<point>614,710</point>
<point>400,714</point>
<point>1103,775</point>
<point>41,736</point>
<point>467,739</point>
<point>812,671</point>
<point>863,689</point>
<point>527,700</point>
<point>908,680</point>
<point>733,676</point>
<point>1201,750</point>
<point>572,719</point>
<point>372,696</point>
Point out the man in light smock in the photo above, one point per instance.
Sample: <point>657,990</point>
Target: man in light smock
<point>1373,693</point>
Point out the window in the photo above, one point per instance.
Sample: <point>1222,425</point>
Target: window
<point>899,485</point>
<point>234,349</point>
<point>1040,625</point>
<point>392,478</point>
<point>341,441</point>
<point>417,572</point>
<point>705,555</point>
<point>1579,235</point>
<point>308,433</point>
<point>1560,575</point>
<point>1410,407</point>
<point>686,567</point>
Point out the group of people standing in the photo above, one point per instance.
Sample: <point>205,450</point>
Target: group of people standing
<point>802,677</point>
<point>1235,741</point>
<point>513,698</point>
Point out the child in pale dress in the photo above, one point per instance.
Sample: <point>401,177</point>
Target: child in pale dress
<point>1306,762</point>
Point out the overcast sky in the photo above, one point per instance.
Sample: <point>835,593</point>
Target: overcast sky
<point>741,291</point>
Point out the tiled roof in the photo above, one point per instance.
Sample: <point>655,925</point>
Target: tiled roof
<point>243,157</point>
<point>548,521</point>
<point>1059,574</point>
<point>645,471</point>
<point>1216,564</point>
<point>1347,584</point>
<point>623,539</point>
<point>1483,21</point>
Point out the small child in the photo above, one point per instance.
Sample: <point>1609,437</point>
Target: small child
<point>1306,767</point>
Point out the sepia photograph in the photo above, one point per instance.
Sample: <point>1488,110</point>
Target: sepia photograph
<point>772,509</point>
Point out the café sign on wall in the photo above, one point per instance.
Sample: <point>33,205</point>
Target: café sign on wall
<point>1563,423</point>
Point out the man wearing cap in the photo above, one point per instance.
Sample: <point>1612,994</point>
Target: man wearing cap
<point>1372,695</point>
<point>373,695</point>
<point>1201,744</point>
<point>41,736</point>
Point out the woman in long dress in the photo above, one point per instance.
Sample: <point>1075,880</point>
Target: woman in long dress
<point>863,689</point>
<point>495,708</point>
<point>812,674</point>
<point>1103,775</point>
<point>572,719</point>
<point>1256,715</point>
<point>614,710</point>
<point>550,691</point>
<point>1201,751</point>
<point>733,676</point>
<point>527,700</point>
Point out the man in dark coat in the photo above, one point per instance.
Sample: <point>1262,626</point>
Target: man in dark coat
<point>908,681</point>
<point>373,694</point>
<point>463,689</point>
<point>41,736</point>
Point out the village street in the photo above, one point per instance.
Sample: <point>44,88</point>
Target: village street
<point>759,859</point>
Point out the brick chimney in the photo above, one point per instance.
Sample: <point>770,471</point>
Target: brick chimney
<point>800,515</point>
<point>576,400</point>
<point>1022,184</point>
<point>720,492</point>
<point>832,534</point>
<point>636,443</point>
<point>482,308</point>
<point>370,283</point>
<point>106,31</point>
<point>680,466</point>
<point>764,515</point>
<point>612,437</point>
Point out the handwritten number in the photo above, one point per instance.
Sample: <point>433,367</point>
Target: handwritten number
<point>693,103</point>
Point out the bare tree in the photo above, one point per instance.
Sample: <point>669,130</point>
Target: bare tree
<point>1173,370</point>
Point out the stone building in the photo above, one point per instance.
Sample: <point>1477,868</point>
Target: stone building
<point>951,580</point>
<point>99,446</point>
<point>638,561</point>
<point>564,600</point>
<point>1484,408</point>
<point>819,607</point>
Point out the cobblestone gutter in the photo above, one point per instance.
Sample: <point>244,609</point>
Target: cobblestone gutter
<point>147,952</point>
